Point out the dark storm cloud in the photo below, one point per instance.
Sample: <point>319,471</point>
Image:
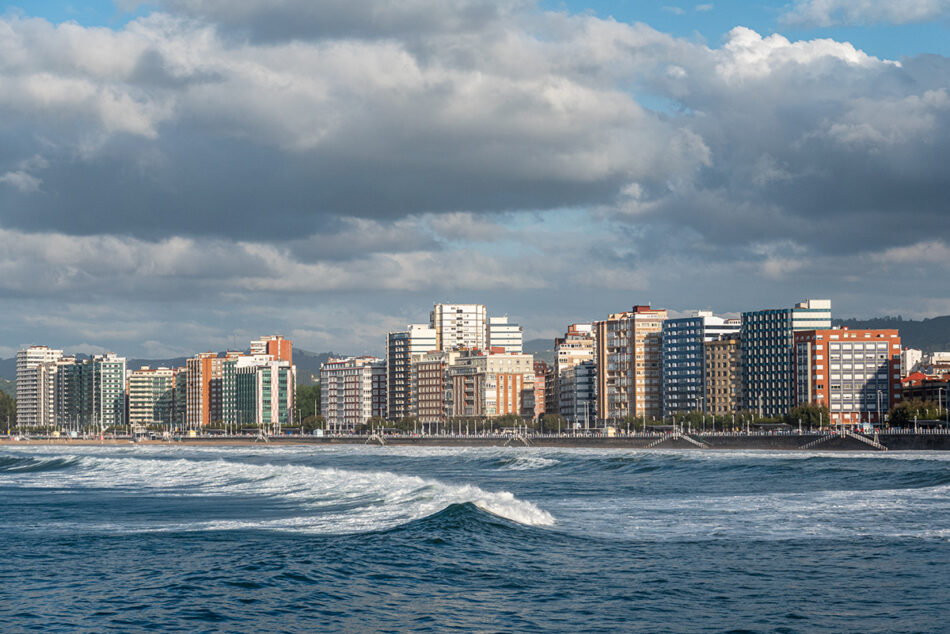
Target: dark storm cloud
<point>278,20</point>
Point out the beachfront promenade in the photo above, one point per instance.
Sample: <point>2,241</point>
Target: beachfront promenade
<point>891,440</point>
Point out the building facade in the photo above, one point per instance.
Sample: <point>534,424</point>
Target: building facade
<point>35,385</point>
<point>576,390</point>
<point>431,390</point>
<point>460,325</point>
<point>684,366</point>
<point>151,396</point>
<point>401,348</point>
<point>352,391</point>
<point>723,375</point>
<point>276,346</point>
<point>628,356</point>
<point>505,336</point>
<point>108,391</point>
<point>204,395</point>
<point>856,374</point>
<point>768,378</point>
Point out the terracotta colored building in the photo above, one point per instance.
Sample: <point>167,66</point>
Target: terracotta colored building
<point>856,374</point>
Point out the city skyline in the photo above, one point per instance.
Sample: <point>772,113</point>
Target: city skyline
<point>177,175</point>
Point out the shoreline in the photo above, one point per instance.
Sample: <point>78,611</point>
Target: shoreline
<point>695,442</point>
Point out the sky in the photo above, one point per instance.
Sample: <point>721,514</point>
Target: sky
<point>186,175</point>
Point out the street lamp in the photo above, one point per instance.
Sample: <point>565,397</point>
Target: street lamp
<point>940,400</point>
<point>879,422</point>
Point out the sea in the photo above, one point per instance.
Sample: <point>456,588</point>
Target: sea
<point>366,538</point>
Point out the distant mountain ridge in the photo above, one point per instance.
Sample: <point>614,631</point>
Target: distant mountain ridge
<point>929,335</point>
<point>542,349</point>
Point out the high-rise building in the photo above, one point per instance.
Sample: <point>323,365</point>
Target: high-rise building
<point>258,390</point>
<point>151,396</point>
<point>683,358</point>
<point>430,396</point>
<point>539,393</point>
<point>275,345</point>
<point>180,407</point>
<point>352,390</point>
<point>629,364</point>
<point>767,353</point>
<point>35,385</point>
<point>401,348</point>
<point>204,382</point>
<point>854,373</point>
<point>723,375</point>
<point>70,412</point>
<point>577,387</point>
<point>576,346</point>
<point>505,336</point>
<point>460,325</point>
<point>108,391</point>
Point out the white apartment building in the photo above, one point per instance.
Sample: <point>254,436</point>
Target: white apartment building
<point>352,391</point>
<point>151,396</point>
<point>108,390</point>
<point>36,385</point>
<point>502,334</point>
<point>576,346</point>
<point>460,325</point>
<point>910,359</point>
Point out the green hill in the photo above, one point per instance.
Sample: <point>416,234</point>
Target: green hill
<point>929,335</point>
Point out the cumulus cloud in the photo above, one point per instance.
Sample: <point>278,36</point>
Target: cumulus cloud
<point>833,12</point>
<point>249,152</point>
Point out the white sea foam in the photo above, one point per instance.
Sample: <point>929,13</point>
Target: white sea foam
<point>528,462</point>
<point>326,500</point>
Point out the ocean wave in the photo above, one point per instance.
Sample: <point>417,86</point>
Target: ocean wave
<point>527,462</point>
<point>323,500</point>
<point>30,464</point>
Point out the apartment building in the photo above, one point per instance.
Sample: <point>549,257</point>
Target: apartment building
<point>151,396</point>
<point>856,374</point>
<point>628,357</point>
<point>723,375</point>
<point>352,391</point>
<point>576,388</point>
<point>684,367</point>
<point>35,385</point>
<point>401,348</point>
<point>504,335</point>
<point>768,378</point>
<point>460,325</point>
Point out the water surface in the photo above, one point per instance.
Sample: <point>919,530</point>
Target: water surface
<point>359,538</point>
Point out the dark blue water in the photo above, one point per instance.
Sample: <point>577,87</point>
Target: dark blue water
<point>367,538</point>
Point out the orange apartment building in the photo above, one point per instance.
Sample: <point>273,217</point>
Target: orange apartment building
<point>856,374</point>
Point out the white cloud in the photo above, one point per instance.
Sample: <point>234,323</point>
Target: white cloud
<point>833,12</point>
<point>22,181</point>
<point>748,55</point>
<point>924,254</point>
